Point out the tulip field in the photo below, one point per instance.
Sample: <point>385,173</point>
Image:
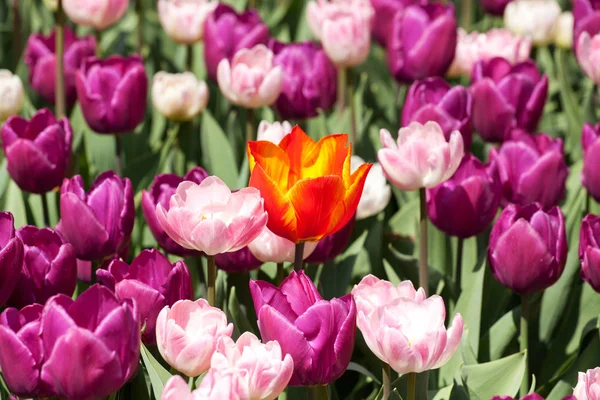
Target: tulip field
<point>300,199</point>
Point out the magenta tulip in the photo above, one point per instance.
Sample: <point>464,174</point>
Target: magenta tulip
<point>590,176</point>
<point>11,256</point>
<point>589,250</point>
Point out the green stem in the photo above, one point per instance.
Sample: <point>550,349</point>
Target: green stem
<point>524,341</point>
<point>211,281</point>
<point>423,278</point>
<point>412,386</point>
<point>140,32</point>
<point>318,393</point>
<point>386,378</point>
<point>44,197</point>
<point>189,57</point>
<point>250,125</point>
<point>459,257</point>
<point>466,14</point>
<point>341,90</point>
<point>118,155</point>
<point>98,36</point>
<point>59,94</point>
<point>280,273</point>
<point>298,257</point>
<point>352,107</point>
<point>16,33</point>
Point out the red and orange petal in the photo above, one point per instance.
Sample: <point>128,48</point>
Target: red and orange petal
<point>327,158</point>
<point>297,145</point>
<point>273,160</point>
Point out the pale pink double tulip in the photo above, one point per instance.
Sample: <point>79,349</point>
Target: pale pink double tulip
<point>208,217</point>
<point>402,327</point>
<point>588,385</point>
<point>588,55</point>
<point>183,20</point>
<point>97,14</point>
<point>187,334</point>
<point>421,157</point>
<point>251,80</point>
<point>269,247</point>
<point>344,29</point>
<point>226,387</point>
<point>273,132</point>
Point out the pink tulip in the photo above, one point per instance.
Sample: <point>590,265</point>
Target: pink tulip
<point>588,55</point>
<point>224,388</point>
<point>344,28</point>
<point>588,385</point>
<point>97,14</point>
<point>404,328</point>
<point>262,370</point>
<point>269,247</point>
<point>251,80</point>
<point>187,334</point>
<point>208,217</point>
<point>184,20</point>
<point>273,132</point>
<point>421,157</point>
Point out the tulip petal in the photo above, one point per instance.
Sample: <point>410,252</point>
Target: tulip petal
<point>327,157</point>
<point>454,335</point>
<point>273,160</point>
<point>19,369</point>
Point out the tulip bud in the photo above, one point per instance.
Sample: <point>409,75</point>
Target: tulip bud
<point>563,32</point>
<point>187,334</point>
<point>49,267</point>
<point>506,97</point>
<point>589,250</point>
<point>226,32</point>
<point>518,19</point>
<point>318,334</point>
<point>586,16</point>
<point>273,132</point>
<point>309,79</point>
<point>11,257</point>
<point>38,151</point>
<point>528,247</point>
<point>184,21</point>
<point>251,80</point>
<point>97,223</point>
<point>40,58</point>
<point>421,157</point>
<point>112,93</point>
<point>384,15</point>
<point>465,204</point>
<point>588,385</point>
<point>590,176</point>
<point>268,247</point>
<point>179,97</point>
<point>433,99</point>
<point>344,29</point>
<point>531,169</point>
<point>495,7</point>
<point>239,261</point>
<point>588,55</point>
<point>376,193</point>
<point>12,94</point>
<point>422,42</point>
<point>97,14</point>
<point>101,337</point>
<point>331,246</point>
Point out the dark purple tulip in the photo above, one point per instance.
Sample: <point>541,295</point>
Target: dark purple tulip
<point>152,282</point>
<point>84,268</point>
<point>528,247</point>
<point>433,99</point>
<point>226,32</point>
<point>589,250</point>
<point>318,334</point>
<point>22,353</point>
<point>98,223</point>
<point>384,15</point>
<point>507,96</point>
<point>38,151</point>
<point>161,190</point>
<point>11,257</point>
<point>332,246</point>
<point>465,204</point>
<point>590,176</point>
<point>241,260</point>
<point>422,41</point>
<point>49,267</point>
<point>586,18</point>
<point>92,344</point>
<point>495,7</point>
<point>531,168</point>
<point>112,93</point>
<point>309,79</point>
<point>40,58</point>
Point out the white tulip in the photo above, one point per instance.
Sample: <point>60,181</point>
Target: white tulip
<point>11,94</point>
<point>535,19</point>
<point>273,132</point>
<point>179,97</point>
<point>376,192</point>
<point>563,34</point>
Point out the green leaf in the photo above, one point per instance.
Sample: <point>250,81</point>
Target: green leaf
<point>501,377</point>
<point>156,372</point>
<point>504,330</point>
<point>239,317</point>
<point>217,153</point>
<point>362,370</point>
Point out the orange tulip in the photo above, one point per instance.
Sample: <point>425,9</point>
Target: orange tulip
<point>308,190</point>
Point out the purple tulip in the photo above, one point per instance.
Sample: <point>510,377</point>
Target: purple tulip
<point>333,245</point>
<point>318,334</point>
<point>507,96</point>
<point>98,223</point>
<point>226,32</point>
<point>531,396</point>
<point>152,282</point>
<point>40,58</point>
<point>309,79</point>
<point>586,18</point>
<point>495,7</point>
<point>589,250</point>
<point>91,345</point>
<point>384,15</point>
<point>528,247</point>
<point>11,256</point>
<point>465,204</point>
<point>531,168</point>
<point>422,42</point>
<point>241,260</point>
<point>433,99</point>
<point>22,352</point>
<point>160,192</point>
<point>38,151</point>
<point>49,267</point>
<point>112,93</point>
<point>590,176</point>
